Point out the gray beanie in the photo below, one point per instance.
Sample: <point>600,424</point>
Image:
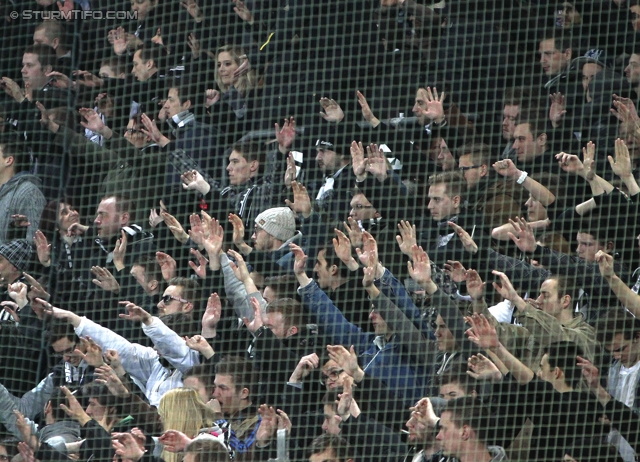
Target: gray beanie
<point>278,222</point>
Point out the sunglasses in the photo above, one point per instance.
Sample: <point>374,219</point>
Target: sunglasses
<point>166,299</point>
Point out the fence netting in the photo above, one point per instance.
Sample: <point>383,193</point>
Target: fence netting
<point>320,230</point>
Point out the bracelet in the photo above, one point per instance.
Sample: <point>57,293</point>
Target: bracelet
<point>523,176</point>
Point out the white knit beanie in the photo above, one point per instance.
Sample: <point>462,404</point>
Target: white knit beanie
<point>278,222</point>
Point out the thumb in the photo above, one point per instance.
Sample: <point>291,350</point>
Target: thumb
<point>323,115</point>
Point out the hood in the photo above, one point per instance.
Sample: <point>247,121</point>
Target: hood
<point>68,430</point>
<point>19,178</point>
<point>294,240</point>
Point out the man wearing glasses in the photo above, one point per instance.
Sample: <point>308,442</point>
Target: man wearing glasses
<point>179,297</point>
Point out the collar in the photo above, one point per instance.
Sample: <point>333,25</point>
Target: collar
<point>180,120</point>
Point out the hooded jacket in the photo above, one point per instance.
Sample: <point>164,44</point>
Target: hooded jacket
<point>21,195</point>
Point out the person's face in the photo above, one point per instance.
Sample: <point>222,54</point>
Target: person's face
<point>107,72</point>
<point>548,300</point>
<point>190,456</point>
<point>262,240</point>
<point>544,371</point>
<point>172,105</point>
<point>379,324</point>
<point>450,391</point>
<point>332,375</point>
<point>226,67</point>
<point>108,221</point>
<point>361,208</point>
<point>553,61</point>
<point>95,410</point>
<point>239,170</point>
<point>526,147</point>
<point>269,294</point>
<point>198,385</point>
<point>275,322</point>
<point>230,399</point>
<point>440,204</point>
<point>418,431</point>
<point>40,38</point>
<point>449,435</point>
<point>141,70</point>
<point>4,455</point>
<point>140,275</point>
<point>8,272</point>
<point>324,273</point>
<point>331,425</point>
<point>327,161</point>
<point>535,210</point>
<point>67,216</point>
<point>623,349</point>
<point>632,71</point>
<point>135,136</point>
<point>509,116</point>
<point>444,338</point>
<point>143,7</point>
<point>588,246</point>
<point>445,159</point>
<point>172,305</point>
<point>420,105</point>
<point>32,72</point>
<point>64,348</point>
<point>635,17</point>
<point>588,71</point>
<point>472,173</point>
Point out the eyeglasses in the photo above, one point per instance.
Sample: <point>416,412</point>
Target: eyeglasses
<point>132,131</point>
<point>4,457</point>
<point>166,299</point>
<point>60,354</point>
<point>361,207</point>
<point>333,375</point>
<point>464,169</point>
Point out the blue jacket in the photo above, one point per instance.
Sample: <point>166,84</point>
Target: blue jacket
<point>386,361</point>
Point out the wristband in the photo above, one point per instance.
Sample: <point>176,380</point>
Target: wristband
<point>523,176</point>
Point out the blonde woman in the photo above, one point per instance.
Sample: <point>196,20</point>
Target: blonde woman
<point>182,409</point>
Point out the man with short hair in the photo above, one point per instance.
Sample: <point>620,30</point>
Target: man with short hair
<point>464,429</point>
<point>54,34</point>
<point>37,61</point>
<point>330,447</point>
<point>181,296</point>
<point>515,100</point>
<point>632,74</point>
<point>20,193</point>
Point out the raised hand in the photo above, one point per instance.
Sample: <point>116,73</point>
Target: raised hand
<point>135,313</point>
<point>305,366</point>
<point>354,231</point>
<point>212,97</point>
<point>358,162</point>
<point>342,246</point>
<point>407,238</point>
<point>424,410</point>
<point>197,231</point>
<point>347,360</point>
<point>212,314</point>
<point>73,408</point>
<point>256,322</point>
<point>346,400</point>
<point>174,226</point>
<point>18,293</point>
<point>199,343</point>
<point>120,251</point>
<point>193,9</point>
<point>43,248</point>
<point>420,267</point>
<point>621,165</point>
<point>240,270</point>
<point>369,251</point>
<point>154,218</point>
<point>238,229</point>
<point>126,446</point>
<point>332,110</point>
<point>286,135</point>
<point>46,120</point>
<point>105,280</point>
<point>605,264</point>
<point>201,268</point>
<point>475,286</point>
<point>590,372</point>
<point>505,288</point>
<point>12,89</point>
<point>36,288</point>
<point>570,163</point>
<point>167,265</point>
<point>482,333</point>
<point>456,270</point>
<point>557,108</point>
<point>588,160</point>
<point>482,368</point>
<point>193,180</point>
<point>291,173</point>
<point>268,426</point>
<point>301,201</point>
<point>213,244</point>
<point>376,163</point>
<point>525,240</point>
<point>93,352</point>
<point>625,110</point>
<point>367,113</point>
<point>467,241</point>
<point>507,169</point>
<point>300,263</point>
<point>106,374</point>
<point>152,131</point>
<point>242,11</point>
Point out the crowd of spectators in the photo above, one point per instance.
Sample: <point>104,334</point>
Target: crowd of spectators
<point>172,175</point>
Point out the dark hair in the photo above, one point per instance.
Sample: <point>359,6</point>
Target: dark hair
<point>340,447</point>
<point>615,322</point>
<point>517,96</point>
<point>56,399</point>
<point>332,258</point>
<point>54,30</point>
<point>457,374</point>
<point>186,90</point>
<point>586,450</point>
<point>566,285</point>
<point>21,160</point>
<point>207,450</point>
<point>563,356</point>
<point>190,290</point>
<point>155,54</point>
<point>291,310</point>
<point>480,153</point>
<point>471,412</point>
<point>202,372</point>
<point>240,370</point>
<point>562,40</point>
<point>285,285</point>
<point>536,121</point>
<point>60,330</point>
<point>11,445</point>
<point>104,397</point>
<point>251,151</point>
<point>330,398</point>
<point>599,227</point>
<point>454,182</point>
<point>46,54</point>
